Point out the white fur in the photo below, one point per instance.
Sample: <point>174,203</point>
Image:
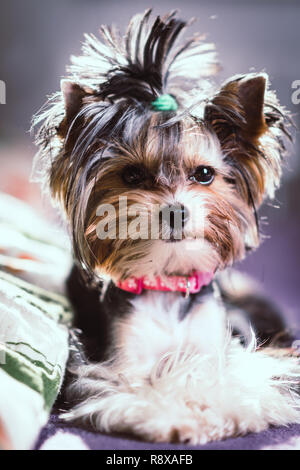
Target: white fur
<point>153,329</point>
<point>186,380</point>
<point>169,258</point>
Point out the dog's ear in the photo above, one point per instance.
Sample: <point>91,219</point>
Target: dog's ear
<point>250,125</point>
<point>73,95</point>
<point>251,95</point>
<point>239,108</point>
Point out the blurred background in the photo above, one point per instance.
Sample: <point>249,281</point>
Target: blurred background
<point>37,38</point>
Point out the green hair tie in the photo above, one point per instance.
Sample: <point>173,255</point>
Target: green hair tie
<point>165,103</point>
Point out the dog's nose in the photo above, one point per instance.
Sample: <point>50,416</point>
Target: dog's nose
<point>176,215</point>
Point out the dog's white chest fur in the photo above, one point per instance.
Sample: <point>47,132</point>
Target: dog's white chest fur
<point>183,378</point>
<point>156,326</point>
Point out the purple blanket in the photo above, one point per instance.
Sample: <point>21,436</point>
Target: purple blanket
<point>62,436</point>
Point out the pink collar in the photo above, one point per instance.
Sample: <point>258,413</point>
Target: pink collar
<point>186,284</point>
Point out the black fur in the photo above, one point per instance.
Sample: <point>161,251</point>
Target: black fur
<point>94,317</point>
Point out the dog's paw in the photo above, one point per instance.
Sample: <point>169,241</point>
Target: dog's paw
<point>190,427</point>
<point>191,398</point>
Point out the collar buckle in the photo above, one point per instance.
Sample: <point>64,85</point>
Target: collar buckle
<point>187,288</point>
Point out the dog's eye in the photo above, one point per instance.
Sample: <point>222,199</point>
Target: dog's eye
<point>203,175</point>
<point>133,175</point>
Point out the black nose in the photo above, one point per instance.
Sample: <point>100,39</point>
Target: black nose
<point>175,215</point>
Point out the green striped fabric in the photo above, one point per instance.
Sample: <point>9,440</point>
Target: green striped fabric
<point>33,344</point>
<point>22,360</point>
<point>34,322</point>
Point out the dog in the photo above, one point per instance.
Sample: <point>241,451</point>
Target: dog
<point>140,137</point>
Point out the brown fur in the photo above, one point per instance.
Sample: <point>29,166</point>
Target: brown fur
<point>97,126</point>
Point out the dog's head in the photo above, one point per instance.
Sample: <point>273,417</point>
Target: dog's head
<point>157,171</point>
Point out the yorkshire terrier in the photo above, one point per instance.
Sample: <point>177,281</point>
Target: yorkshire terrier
<point>160,175</point>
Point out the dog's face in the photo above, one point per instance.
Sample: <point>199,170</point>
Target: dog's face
<point>158,192</point>
<point>174,208</point>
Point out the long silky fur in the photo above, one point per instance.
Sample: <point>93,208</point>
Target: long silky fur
<point>120,78</point>
<point>182,401</point>
<point>214,388</point>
